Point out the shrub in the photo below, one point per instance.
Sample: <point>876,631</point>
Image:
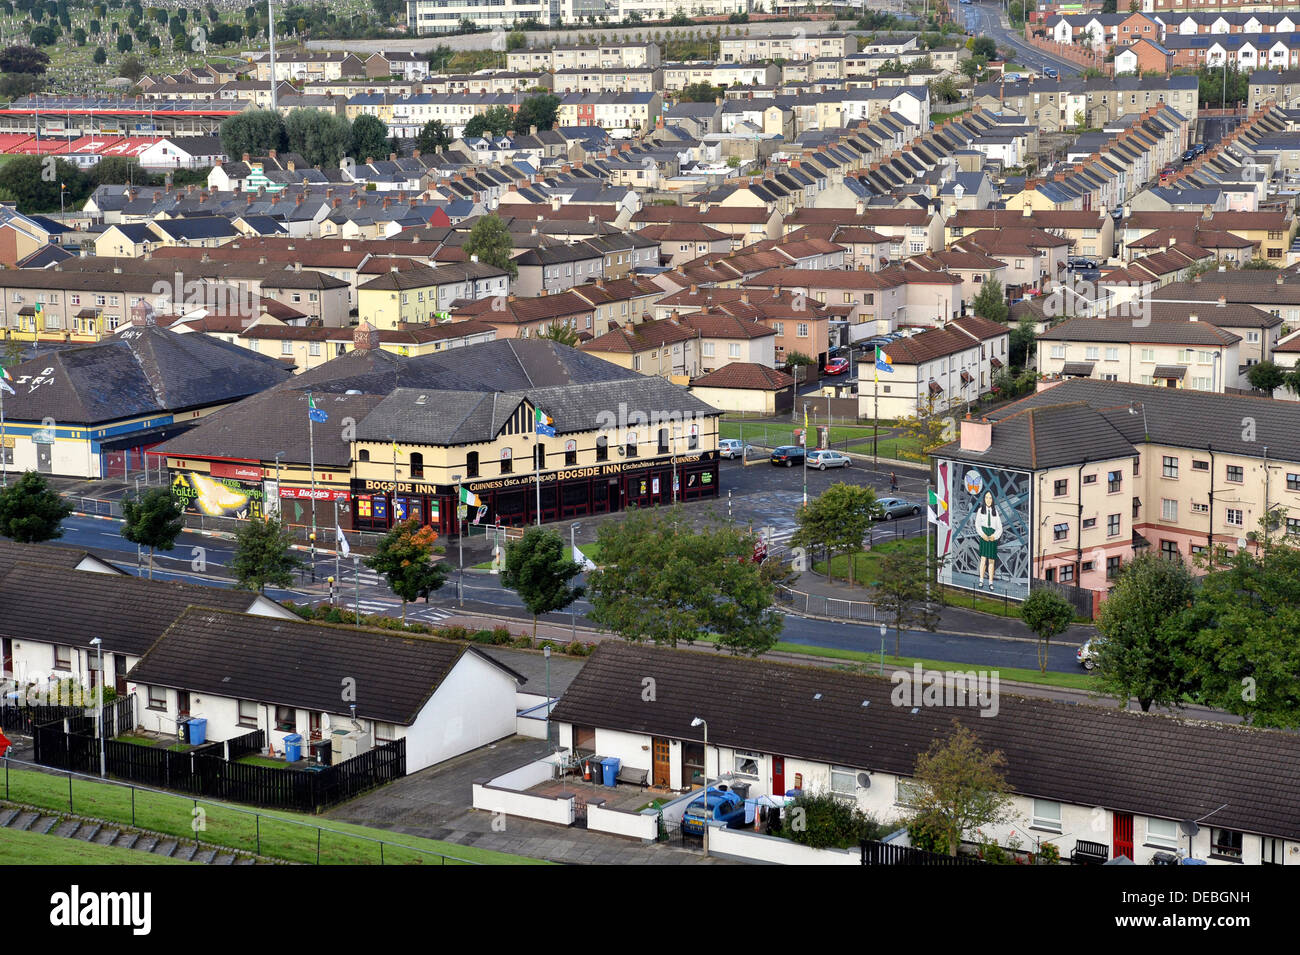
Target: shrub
<point>1048,854</point>
<point>823,821</point>
<point>928,833</point>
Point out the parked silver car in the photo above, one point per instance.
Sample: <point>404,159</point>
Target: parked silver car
<point>892,507</point>
<point>732,448</point>
<point>821,460</point>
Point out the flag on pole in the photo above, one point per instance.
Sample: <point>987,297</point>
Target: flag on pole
<point>545,424</point>
<point>469,498</point>
<point>883,362</point>
<point>937,510</point>
<point>396,452</point>
<point>6,381</point>
<point>313,412</point>
<point>582,560</point>
<point>344,549</point>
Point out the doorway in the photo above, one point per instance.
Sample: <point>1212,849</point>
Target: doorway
<point>7,646</point>
<point>119,673</point>
<point>182,703</point>
<point>614,495</point>
<point>44,459</point>
<point>1123,835</point>
<point>662,769</point>
<point>778,775</point>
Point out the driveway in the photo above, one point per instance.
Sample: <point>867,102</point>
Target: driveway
<point>436,803</point>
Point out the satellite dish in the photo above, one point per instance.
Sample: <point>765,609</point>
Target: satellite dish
<point>1189,827</point>
<point>864,780</point>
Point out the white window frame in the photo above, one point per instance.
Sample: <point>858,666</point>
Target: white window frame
<point>1161,833</point>
<point>1043,815</point>
<point>837,776</point>
<point>741,759</point>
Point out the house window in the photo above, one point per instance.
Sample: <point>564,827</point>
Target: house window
<point>631,444</point>
<point>1170,466</point>
<point>471,464</point>
<point>802,331</point>
<point>507,461</point>
<point>707,350</point>
<point>570,453</point>
<point>1234,517</point>
<point>1225,844</point>
<point>1200,465</point>
<point>1169,550</point>
<point>602,448</point>
<point>1148,354</point>
<point>1089,523</point>
<point>62,658</point>
<point>1112,525</point>
<point>733,350</point>
<point>844,782</point>
<point>747,764</point>
<point>286,348</point>
<point>417,465</point>
<point>1162,833</point>
<point>1088,565</point>
<point>1090,479</point>
<point>314,349</point>
<point>1293,482</point>
<point>157,698</point>
<point>1061,488</point>
<point>286,719</point>
<point>1067,573</point>
<point>385,732</point>
<point>1235,474</point>
<point>1047,815</point>
<point>1112,567</point>
<point>1113,482</point>
<point>1060,531</point>
<point>1293,527</point>
<point>247,713</point>
<point>1168,510</point>
<point>908,793</point>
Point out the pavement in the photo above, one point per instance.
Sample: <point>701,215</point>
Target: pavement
<point>436,803</point>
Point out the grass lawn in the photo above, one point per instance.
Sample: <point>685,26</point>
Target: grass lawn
<point>937,118</point>
<point>1075,681</point>
<point>255,760</point>
<point>590,551</point>
<point>898,448</point>
<point>136,740</point>
<point>31,848</point>
<point>780,434</point>
<point>172,814</point>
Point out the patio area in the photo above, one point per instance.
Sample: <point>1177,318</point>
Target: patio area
<point>623,796</point>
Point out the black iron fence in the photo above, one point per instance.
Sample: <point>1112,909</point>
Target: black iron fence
<point>69,743</point>
<point>15,718</point>
<point>1080,598</point>
<point>253,742</point>
<point>884,853</point>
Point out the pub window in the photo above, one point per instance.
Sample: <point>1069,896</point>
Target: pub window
<point>694,443</point>
<point>506,462</point>
<point>363,456</point>
<point>570,453</point>
<point>663,440</point>
<point>539,456</point>
<point>602,448</point>
<point>417,465</point>
<point>631,444</point>
<point>471,464</point>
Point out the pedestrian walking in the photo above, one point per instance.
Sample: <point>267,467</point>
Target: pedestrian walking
<point>893,481</point>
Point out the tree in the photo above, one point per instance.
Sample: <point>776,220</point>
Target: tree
<point>495,121</point>
<point>1143,647</point>
<point>31,511</point>
<point>24,180</point>
<point>960,787</point>
<point>904,594</point>
<point>263,556</point>
<point>985,46</point>
<point>991,301</point>
<point>124,43</point>
<point>699,93</point>
<point>1020,341</point>
<point>255,132</point>
<point>489,240</point>
<point>539,111</point>
<point>1243,656</point>
<point>100,56</point>
<point>14,352</point>
<point>561,333</point>
<point>432,137</point>
<point>944,90</point>
<point>23,59</point>
<point>321,138</point>
<point>825,821</point>
<point>838,520</point>
<point>405,558</point>
<point>1265,376</point>
<point>671,579</point>
<point>369,139</point>
<point>538,570</point>
<point>131,68</point>
<point>516,39</point>
<point>153,520</point>
<point>1048,614</point>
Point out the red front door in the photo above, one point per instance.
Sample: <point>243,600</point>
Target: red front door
<point>1123,835</point>
<point>778,775</point>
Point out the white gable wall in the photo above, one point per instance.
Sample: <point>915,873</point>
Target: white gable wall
<point>474,706</point>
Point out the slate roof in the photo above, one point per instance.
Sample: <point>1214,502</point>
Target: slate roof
<point>1166,330</point>
<point>12,552</point>
<point>143,370</point>
<point>301,664</point>
<point>129,613</point>
<point>745,375</point>
<point>1085,755</point>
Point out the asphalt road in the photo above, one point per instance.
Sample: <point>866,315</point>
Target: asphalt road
<point>985,19</point>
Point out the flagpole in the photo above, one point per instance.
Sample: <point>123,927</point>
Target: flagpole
<point>4,450</point>
<point>338,534</point>
<point>311,463</point>
<point>875,423</point>
<point>537,471</point>
<point>929,513</point>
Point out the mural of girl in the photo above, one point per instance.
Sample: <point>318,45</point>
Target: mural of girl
<point>988,525</point>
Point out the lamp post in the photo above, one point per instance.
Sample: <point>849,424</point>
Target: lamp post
<point>573,551</point>
<point>699,722</point>
<point>278,456</point>
<point>883,631</point>
<point>98,644</point>
<point>460,545</point>
<point>356,576</point>
<point>546,652</point>
<point>805,454</point>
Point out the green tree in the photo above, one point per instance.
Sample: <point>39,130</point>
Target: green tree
<point>131,68</point>
<point>488,239</point>
<point>960,787</point>
<point>1266,376</point>
<point>1049,615</point>
<point>31,511</point>
<point>14,352</point>
<point>944,90</point>
<point>516,39</point>
<point>263,556</point>
<point>699,93</point>
<point>1243,654</point>
<point>538,570</point>
<point>670,579</point>
<point>255,132</point>
<point>495,121</point>
<point>153,520</point>
<point>991,301</point>
<point>904,593</point>
<point>825,821</point>
<point>23,59</point>
<point>560,333</point>
<point>1143,647</point>
<point>124,43</point>
<point>25,180</point>
<point>405,558</point>
<point>369,139</point>
<point>100,56</point>
<point>838,520</point>
<point>985,46</point>
<point>1020,341</point>
<point>433,136</point>
<point>321,138</point>
<point>539,111</point>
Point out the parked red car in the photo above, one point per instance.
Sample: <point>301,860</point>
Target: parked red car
<point>837,366</point>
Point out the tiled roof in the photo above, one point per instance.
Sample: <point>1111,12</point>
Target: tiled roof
<point>745,375</point>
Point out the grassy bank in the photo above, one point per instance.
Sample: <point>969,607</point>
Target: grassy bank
<point>31,848</point>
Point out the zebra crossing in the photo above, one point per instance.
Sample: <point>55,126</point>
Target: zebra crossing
<point>393,608</point>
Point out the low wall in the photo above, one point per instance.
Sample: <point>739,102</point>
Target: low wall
<point>638,825</point>
<point>530,726</point>
<point>526,776</point>
<point>491,798</point>
<point>756,847</point>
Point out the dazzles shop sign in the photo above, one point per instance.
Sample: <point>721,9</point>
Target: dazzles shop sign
<point>307,494</point>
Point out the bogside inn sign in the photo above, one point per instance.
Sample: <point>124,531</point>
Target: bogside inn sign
<point>527,479</point>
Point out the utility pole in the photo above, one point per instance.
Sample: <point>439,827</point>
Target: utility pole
<point>270,32</point>
<point>460,543</point>
<point>805,454</point>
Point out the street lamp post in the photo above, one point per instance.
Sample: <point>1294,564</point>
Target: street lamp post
<point>98,644</point>
<point>460,545</point>
<point>805,454</point>
<point>278,456</point>
<point>883,631</point>
<point>699,722</point>
<point>546,652</point>
<point>573,552</point>
<point>356,576</point>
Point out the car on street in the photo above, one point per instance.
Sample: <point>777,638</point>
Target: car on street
<point>892,507</point>
<point>1189,155</point>
<point>1077,263</point>
<point>821,460</point>
<point>1087,654</point>
<point>787,454</point>
<point>1198,149</point>
<point>732,448</point>
<point>837,366</point>
<point>723,806</point>
<point>1051,72</point>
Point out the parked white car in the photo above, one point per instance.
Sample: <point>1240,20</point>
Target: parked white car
<point>821,460</point>
<point>732,448</point>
